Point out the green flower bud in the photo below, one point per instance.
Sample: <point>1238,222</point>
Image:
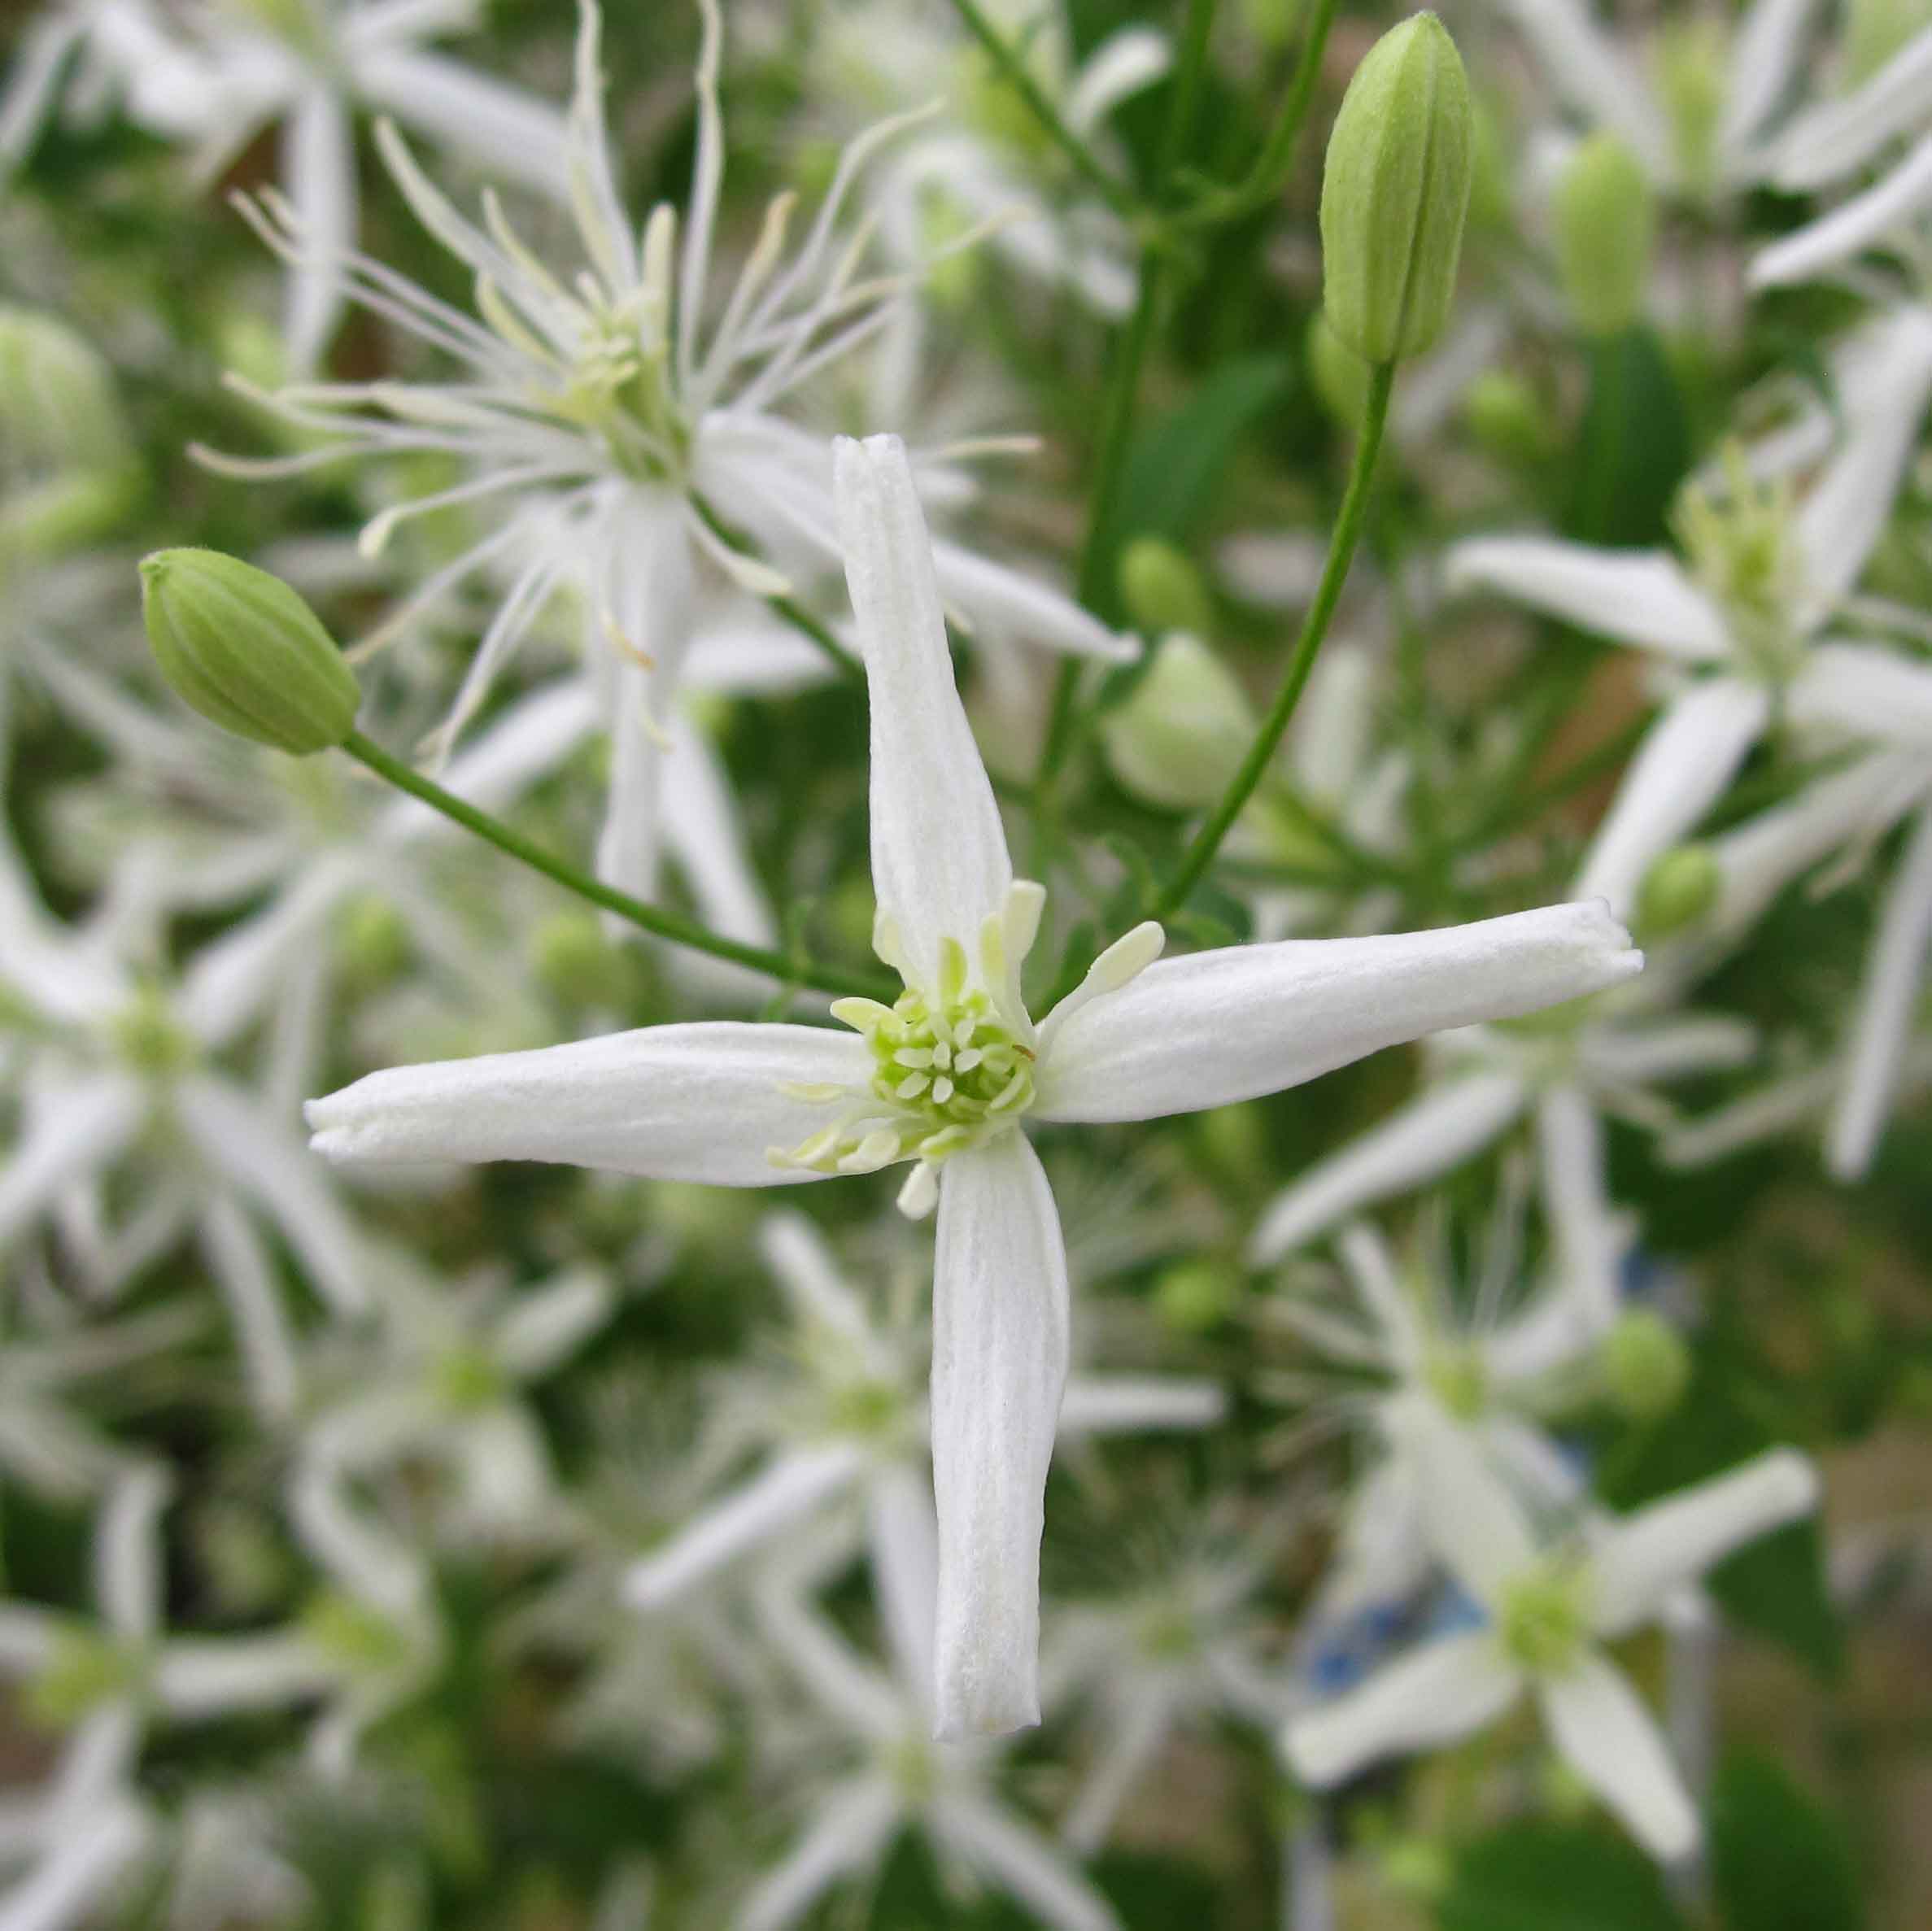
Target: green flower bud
<point>578,963</point>
<point>1645,1364</point>
<point>1395,193</point>
<point>1194,1296</point>
<point>1163,590</point>
<point>1693,75</point>
<point>1184,730</point>
<point>374,939</point>
<point>1679,889</point>
<point>1339,375</point>
<point>246,652</point>
<point>1605,219</point>
<point>1506,415</point>
<point>57,408</point>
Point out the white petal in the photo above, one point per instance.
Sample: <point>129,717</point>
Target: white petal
<point>1611,1741</point>
<point>1638,1054</point>
<point>1765,56</point>
<point>1882,1030</point>
<point>1833,139</point>
<point>1638,1560</point>
<point>796,1252</point>
<point>1124,63</point>
<point>1023,1863</point>
<point>903,1533</point>
<point>1849,230</point>
<point>545,1328</point>
<point>788,1490</point>
<point>1445,1126</point>
<point>66,1136</point>
<point>1867,692</point>
<point>939,867</point>
<point>271,1167</point>
<point>702,833</point>
<point>1136,1728</point>
<point>512,133</point>
<point>1884,376</point>
<point>1473,1521</point>
<point>210,1676</point>
<point>319,171</point>
<point>1123,1404</point>
<point>1767,1114</point>
<point>699,1102</point>
<point>127,1552</point>
<point>1684,766</point>
<point>80,1865</point>
<point>242,1271</point>
<point>1589,1238</point>
<point>999,1366</point>
<point>851,1827</point>
<point>627,844</point>
<point>1640,597</point>
<point>1007,603</point>
<point>850,1689</point>
<point>1219,1027</point>
<point>1592,75</point>
<point>1428,1697</point>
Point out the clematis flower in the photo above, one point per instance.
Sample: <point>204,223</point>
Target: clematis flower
<point>942,1080</point>
<point>1747,623</point>
<point>848,1418</point>
<point>612,415</point>
<point>1548,1608</point>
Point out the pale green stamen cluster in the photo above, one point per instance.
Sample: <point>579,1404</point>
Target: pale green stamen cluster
<point>149,1038</point>
<point>1743,550</point>
<point>1543,1618</point>
<point>1459,1379</point>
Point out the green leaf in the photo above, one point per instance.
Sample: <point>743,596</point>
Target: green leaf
<point>1778,1861</point>
<point>1174,468</point>
<point>1537,1876</point>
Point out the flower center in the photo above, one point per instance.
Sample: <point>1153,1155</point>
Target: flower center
<point>1457,1379</point>
<point>149,1037</point>
<point>1543,1618</point>
<point>1742,549</point>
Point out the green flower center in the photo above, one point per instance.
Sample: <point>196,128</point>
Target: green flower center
<point>1544,1616</point>
<point>870,1410</point>
<point>467,1379</point>
<point>149,1038</point>
<point>1742,549</point>
<point>85,1670</point>
<point>353,1634</point>
<point>1459,1379</point>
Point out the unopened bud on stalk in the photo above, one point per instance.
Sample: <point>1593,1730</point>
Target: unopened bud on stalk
<point>1181,734</point>
<point>1605,220</point>
<point>1340,376</point>
<point>1395,193</point>
<point>1681,888</point>
<point>1645,1364</point>
<point>246,652</point>
<point>1163,590</point>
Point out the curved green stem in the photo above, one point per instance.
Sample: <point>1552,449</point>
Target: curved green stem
<point>1341,549</point>
<point>794,613</point>
<point>665,924</point>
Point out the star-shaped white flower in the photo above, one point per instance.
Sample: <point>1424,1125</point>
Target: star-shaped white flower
<point>1749,625</point>
<point>942,1078</point>
<point>1549,1609</point>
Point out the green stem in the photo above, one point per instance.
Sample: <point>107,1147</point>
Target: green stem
<point>1190,72</point>
<point>1265,180</point>
<point>1013,71</point>
<point>1341,549</point>
<point>665,924</point>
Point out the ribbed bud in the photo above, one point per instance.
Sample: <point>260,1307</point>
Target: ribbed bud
<point>1163,590</point>
<point>1679,889</point>
<point>1395,193</point>
<point>246,652</point>
<point>1605,220</point>
<point>1184,730</point>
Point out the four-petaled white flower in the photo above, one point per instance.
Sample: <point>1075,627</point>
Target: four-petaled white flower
<point>942,1078</point>
<point>1550,1606</point>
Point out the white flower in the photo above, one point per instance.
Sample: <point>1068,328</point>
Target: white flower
<point>102,1054</point>
<point>1549,1609</point>
<point>1698,122</point>
<point>1749,625</point>
<point>945,1789</point>
<point>849,1417</point>
<point>944,1078</point>
<point>617,416</point>
<point>1833,142</point>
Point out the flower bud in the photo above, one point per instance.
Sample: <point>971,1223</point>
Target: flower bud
<point>1182,731</point>
<point>1339,375</point>
<point>1644,1364</point>
<point>1605,220</point>
<point>1163,590</point>
<point>1680,888</point>
<point>1506,415</point>
<point>1395,193</point>
<point>1192,1297</point>
<point>58,409</point>
<point>246,652</point>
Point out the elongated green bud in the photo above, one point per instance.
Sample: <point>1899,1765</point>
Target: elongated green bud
<point>1395,193</point>
<point>1163,590</point>
<point>246,651</point>
<point>1184,730</point>
<point>1605,220</point>
<point>1680,888</point>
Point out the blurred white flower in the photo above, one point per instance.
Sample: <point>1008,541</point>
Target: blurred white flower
<point>944,1078</point>
<point>1549,1607</point>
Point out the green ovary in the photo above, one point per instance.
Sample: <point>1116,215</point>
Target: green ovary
<point>1543,1618</point>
